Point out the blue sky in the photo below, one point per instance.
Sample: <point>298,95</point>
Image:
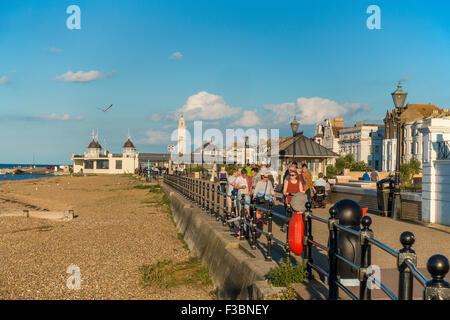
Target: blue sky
<point>269,58</point>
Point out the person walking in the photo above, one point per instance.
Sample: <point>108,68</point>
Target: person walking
<point>223,178</point>
<point>291,187</point>
<point>243,188</point>
<point>231,189</point>
<point>264,190</point>
<point>309,187</point>
<point>374,175</point>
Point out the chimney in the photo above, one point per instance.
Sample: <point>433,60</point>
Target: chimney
<point>338,122</point>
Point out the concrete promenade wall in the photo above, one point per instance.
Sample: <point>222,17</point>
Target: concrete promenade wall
<point>367,198</point>
<point>235,271</point>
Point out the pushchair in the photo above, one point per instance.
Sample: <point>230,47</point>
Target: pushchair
<point>318,200</point>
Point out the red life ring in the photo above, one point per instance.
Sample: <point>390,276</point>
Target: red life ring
<point>296,230</point>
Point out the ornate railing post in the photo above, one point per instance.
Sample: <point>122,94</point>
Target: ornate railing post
<point>253,233</point>
<point>437,288</point>
<point>366,258</point>
<point>269,232</point>
<point>196,191</point>
<point>212,199</point>
<point>286,247</point>
<point>218,203</point>
<point>242,217</point>
<point>208,202</point>
<point>233,205</point>
<point>405,276</point>
<point>225,209</point>
<point>203,195</point>
<point>332,259</point>
<point>306,238</point>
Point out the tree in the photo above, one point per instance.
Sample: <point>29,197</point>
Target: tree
<point>348,162</point>
<point>332,172</point>
<point>407,170</point>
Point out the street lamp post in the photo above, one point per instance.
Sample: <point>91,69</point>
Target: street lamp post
<point>245,150</point>
<point>294,127</point>
<point>399,97</point>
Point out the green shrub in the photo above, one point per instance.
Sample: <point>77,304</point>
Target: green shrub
<point>286,294</point>
<point>332,172</point>
<point>286,273</point>
<point>167,274</point>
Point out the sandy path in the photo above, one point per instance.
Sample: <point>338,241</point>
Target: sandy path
<point>115,233</point>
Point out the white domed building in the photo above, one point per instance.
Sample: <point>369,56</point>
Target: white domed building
<point>97,160</point>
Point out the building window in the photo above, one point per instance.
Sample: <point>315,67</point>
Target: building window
<point>102,164</point>
<point>118,164</point>
<point>89,164</point>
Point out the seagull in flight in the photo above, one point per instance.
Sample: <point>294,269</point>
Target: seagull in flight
<point>104,110</point>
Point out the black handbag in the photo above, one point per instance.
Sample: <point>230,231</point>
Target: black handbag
<point>261,200</point>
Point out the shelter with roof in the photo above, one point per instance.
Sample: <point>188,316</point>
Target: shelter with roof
<point>306,150</point>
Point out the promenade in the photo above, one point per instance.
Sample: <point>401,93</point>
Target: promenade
<point>430,240</point>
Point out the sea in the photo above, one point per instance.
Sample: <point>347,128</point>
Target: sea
<point>26,176</point>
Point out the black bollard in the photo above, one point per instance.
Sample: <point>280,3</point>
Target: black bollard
<point>349,214</point>
<point>405,277</point>
<point>437,288</point>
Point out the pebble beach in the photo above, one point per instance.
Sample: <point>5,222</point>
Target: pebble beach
<point>116,230</point>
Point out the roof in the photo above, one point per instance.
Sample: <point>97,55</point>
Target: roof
<point>304,147</point>
<point>154,157</point>
<point>129,144</point>
<point>94,145</point>
<point>415,112</point>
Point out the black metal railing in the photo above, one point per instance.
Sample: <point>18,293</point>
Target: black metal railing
<point>222,206</point>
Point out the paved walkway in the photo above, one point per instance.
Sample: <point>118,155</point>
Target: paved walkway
<point>430,240</point>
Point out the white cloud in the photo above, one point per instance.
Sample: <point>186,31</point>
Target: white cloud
<point>176,55</point>
<point>81,76</point>
<point>249,118</point>
<point>55,117</point>
<point>55,50</point>
<point>313,110</point>
<point>206,106</point>
<point>155,137</point>
<point>4,80</point>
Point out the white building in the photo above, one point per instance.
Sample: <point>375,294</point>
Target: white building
<point>435,150</point>
<point>412,122</point>
<point>363,141</point>
<point>327,134</point>
<point>97,160</point>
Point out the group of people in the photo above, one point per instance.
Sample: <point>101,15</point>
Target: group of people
<point>373,176</point>
<point>247,186</point>
<point>251,185</point>
<point>299,180</point>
